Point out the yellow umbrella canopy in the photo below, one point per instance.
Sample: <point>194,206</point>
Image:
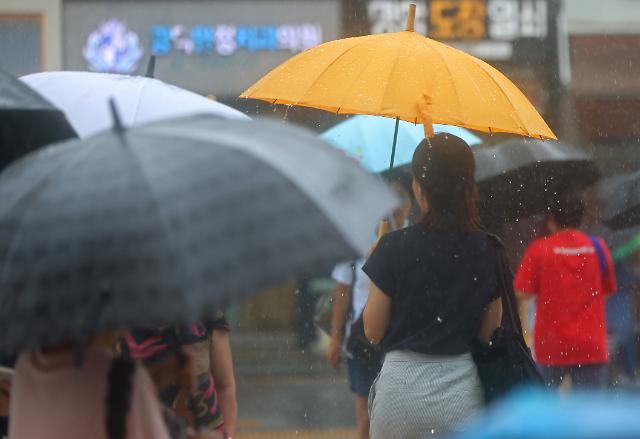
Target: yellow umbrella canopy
<point>402,75</point>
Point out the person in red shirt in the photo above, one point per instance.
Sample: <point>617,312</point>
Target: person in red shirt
<point>570,274</point>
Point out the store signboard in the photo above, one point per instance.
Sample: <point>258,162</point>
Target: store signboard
<point>490,29</point>
<point>211,47</point>
<point>226,39</point>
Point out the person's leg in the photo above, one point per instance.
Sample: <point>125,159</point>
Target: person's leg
<point>361,377</point>
<point>589,376</point>
<point>630,356</point>
<point>628,352</point>
<point>362,416</point>
<point>552,375</point>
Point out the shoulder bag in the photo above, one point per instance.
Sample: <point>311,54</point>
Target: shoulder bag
<point>506,362</point>
<point>357,344</point>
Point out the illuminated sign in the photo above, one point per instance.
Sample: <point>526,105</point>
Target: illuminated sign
<point>510,20</point>
<point>113,48</point>
<point>226,39</point>
<point>457,19</point>
<point>481,19</point>
<point>210,47</point>
<point>486,28</point>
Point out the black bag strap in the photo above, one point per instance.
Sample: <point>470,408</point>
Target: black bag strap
<point>510,316</point>
<point>354,278</point>
<point>118,401</point>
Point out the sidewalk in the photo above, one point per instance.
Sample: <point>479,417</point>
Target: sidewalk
<point>283,392</point>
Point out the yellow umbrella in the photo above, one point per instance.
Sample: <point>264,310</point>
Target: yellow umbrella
<point>406,76</point>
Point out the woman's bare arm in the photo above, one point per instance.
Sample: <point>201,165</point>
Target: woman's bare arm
<point>342,300</point>
<point>491,320</point>
<point>525,301</point>
<point>376,314</point>
<point>222,371</point>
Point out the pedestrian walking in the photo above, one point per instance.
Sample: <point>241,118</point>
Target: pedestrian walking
<point>209,403</point>
<point>350,295</point>
<point>569,273</point>
<point>59,392</point>
<point>434,290</point>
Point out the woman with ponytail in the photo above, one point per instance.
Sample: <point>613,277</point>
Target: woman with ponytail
<point>434,290</point>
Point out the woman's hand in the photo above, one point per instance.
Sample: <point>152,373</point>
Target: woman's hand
<point>341,301</point>
<point>334,354</point>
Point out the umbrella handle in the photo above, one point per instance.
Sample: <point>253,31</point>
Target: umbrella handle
<point>424,105</point>
<point>393,146</point>
<point>411,18</point>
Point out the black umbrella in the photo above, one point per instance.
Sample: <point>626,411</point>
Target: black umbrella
<point>518,178</point>
<point>158,224</point>
<point>623,201</point>
<point>27,120</point>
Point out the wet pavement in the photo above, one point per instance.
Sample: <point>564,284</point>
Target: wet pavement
<point>284,392</point>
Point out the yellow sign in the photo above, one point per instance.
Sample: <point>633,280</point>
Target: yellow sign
<point>457,19</point>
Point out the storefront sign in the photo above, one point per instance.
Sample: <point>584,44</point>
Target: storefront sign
<point>211,47</point>
<point>487,19</point>
<point>226,39</point>
<point>486,28</point>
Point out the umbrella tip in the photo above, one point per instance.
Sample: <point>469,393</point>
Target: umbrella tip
<point>411,17</point>
<point>115,116</point>
<point>151,67</point>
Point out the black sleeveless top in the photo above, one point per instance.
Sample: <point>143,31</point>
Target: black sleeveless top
<point>439,283</point>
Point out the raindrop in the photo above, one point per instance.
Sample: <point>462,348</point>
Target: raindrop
<point>286,113</point>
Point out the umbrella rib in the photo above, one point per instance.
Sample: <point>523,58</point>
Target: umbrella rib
<point>435,49</point>
<point>317,78</point>
<point>386,86</point>
<point>168,234</point>
<point>138,99</point>
<point>355,80</point>
<point>504,93</point>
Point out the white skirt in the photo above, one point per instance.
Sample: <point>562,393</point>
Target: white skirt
<point>423,396</point>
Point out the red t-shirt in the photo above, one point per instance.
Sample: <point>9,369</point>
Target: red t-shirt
<point>563,272</point>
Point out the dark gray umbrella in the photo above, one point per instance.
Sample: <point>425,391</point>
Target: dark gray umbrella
<point>27,120</point>
<point>518,178</point>
<point>158,224</point>
<point>623,201</point>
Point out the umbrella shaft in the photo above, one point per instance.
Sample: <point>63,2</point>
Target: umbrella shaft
<point>395,140</point>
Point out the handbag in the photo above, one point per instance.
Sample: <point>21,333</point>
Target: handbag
<point>506,362</point>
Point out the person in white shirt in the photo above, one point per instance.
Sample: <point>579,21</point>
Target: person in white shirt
<point>350,295</point>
